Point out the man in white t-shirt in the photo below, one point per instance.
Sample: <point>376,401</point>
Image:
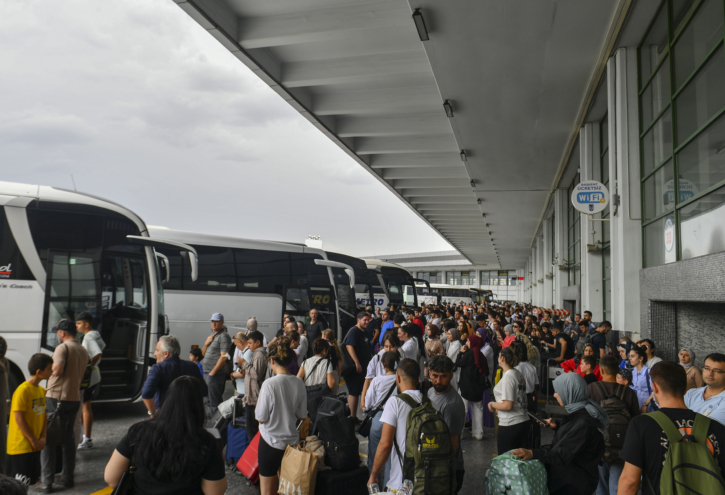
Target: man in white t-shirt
<point>394,419</point>
<point>410,345</point>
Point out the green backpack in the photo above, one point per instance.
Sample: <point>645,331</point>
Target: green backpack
<point>429,460</point>
<point>689,467</point>
<point>509,475</point>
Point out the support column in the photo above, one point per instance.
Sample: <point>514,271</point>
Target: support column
<point>626,224</point>
<point>534,277</point>
<point>591,262</point>
<point>546,264</point>
<point>540,270</point>
<point>561,277</point>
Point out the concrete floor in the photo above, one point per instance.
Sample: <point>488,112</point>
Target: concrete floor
<point>113,420</point>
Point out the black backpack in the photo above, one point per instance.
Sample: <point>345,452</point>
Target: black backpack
<point>619,419</point>
<point>337,433</point>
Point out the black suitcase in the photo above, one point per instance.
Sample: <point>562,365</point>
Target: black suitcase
<point>333,482</point>
<point>219,423</point>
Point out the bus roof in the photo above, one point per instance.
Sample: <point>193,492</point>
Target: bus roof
<point>377,264</point>
<point>21,195</point>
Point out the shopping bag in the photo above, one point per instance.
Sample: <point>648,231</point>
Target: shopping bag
<point>298,473</point>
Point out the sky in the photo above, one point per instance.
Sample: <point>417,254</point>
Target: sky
<point>140,105</point>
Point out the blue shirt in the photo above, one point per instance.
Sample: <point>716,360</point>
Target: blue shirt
<point>713,408</point>
<point>200,368</point>
<point>386,326</point>
<point>641,384</point>
<point>162,374</point>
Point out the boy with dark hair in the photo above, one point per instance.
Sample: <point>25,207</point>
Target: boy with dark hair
<point>646,443</point>
<point>587,366</point>
<point>195,357</point>
<point>26,435</point>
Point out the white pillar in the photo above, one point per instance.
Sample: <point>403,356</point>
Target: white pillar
<point>561,277</point>
<point>591,262</point>
<point>626,225</point>
<point>540,270</point>
<point>546,264</point>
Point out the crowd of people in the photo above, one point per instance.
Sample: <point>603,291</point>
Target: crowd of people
<point>483,367</point>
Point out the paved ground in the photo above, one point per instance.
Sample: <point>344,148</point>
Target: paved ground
<point>112,422</point>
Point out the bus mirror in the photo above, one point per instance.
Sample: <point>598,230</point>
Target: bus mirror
<point>165,243</point>
<point>194,262</point>
<point>165,267</point>
<point>336,264</point>
<point>351,273</point>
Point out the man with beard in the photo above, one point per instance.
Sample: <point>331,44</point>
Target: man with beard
<point>449,403</point>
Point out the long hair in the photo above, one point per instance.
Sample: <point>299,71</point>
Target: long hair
<point>329,334</point>
<point>172,444</point>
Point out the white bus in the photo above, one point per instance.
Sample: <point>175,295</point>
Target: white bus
<point>241,278</point>
<point>390,283</point>
<point>445,294</point>
<point>64,252</point>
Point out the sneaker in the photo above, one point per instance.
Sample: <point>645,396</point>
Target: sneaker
<point>45,488</point>
<point>64,484</point>
<point>87,443</point>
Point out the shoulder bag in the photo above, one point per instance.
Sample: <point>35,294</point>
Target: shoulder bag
<point>367,423</point>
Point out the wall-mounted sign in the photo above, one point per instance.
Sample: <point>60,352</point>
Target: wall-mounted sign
<point>590,197</point>
<point>669,235</point>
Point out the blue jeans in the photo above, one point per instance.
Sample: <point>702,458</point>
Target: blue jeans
<point>376,432</point>
<point>609,478</point>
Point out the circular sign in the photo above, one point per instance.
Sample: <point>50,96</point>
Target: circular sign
<point>669,235</point>
<point>590,197</point>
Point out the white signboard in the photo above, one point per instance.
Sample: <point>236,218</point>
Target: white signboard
<point>590,197</point>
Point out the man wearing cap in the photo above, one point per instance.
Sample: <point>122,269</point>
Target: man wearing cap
<point>215,352</point>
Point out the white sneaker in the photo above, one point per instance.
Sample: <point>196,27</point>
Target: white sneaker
<point>87,443</point>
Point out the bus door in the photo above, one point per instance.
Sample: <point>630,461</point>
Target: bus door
<point>430,292</point>
<point>114,288</point>
<point>299,300</point>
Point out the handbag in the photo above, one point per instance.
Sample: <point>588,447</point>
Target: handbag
<point>125,484</point>
<point>348,363</point>
<point>367,423</point>
<point>315,393</point>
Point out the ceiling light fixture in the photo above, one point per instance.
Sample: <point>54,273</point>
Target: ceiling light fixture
<point>473,183</point>
<point>448,108</point>
<point>464,158</point>
<point>484,215</point>
<point>420,25</point>
<point>720,150</point>
<point>479,201</point>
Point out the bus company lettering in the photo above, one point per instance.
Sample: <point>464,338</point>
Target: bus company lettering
<point>319,299</point>
<point>15,286</point>
<point>6,271</point>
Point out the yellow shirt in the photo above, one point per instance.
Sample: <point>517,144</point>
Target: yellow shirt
<point>29,399</point>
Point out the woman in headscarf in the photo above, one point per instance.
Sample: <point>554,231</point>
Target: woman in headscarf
<point>694,375</point>
<point>454,347</point>
<point>473,369</point>
<point>433,344</point>
<point>573,457</point>
<point>624,347</point>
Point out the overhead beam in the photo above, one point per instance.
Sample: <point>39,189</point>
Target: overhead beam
<point>323,24</point>
<point>430,124</point>
<point>424,173</point>
<point>404,160</point>
<point>454,200</point>
<point>354,69</point>
<point>425,99</point>
<point>405,144</point>
<point>429,183</point>
<point>453,191</point>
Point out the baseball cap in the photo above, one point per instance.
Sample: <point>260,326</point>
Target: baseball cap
<point>217,317</point>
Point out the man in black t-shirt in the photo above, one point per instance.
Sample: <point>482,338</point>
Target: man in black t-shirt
<point>314,330</point>
<point>645,446</point>
<point>358,346</point>
<point>564,345</point>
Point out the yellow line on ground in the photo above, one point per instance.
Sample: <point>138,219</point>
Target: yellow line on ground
<point>103,491</point>
<point>363,455</point>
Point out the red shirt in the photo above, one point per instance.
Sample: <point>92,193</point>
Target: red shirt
<point>507,341</point>
<point>570,365</point>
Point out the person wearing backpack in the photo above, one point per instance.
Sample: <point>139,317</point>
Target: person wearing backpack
<point>418,438</point>
<point>621,405</point>
<point>658,458</point>
<point>577,448</point>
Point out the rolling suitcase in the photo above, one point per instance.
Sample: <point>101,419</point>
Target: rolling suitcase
<point>248,464</point>
<point>237,442</point>
<point>348,482</point>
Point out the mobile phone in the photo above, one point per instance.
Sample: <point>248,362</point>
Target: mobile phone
<point>537,419</point>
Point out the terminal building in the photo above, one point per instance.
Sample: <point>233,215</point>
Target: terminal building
<point>483,117</point>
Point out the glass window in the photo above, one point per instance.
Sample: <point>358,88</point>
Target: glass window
<point>654,46</point>
<point>12,263</point>
<point>468,278</point>
<point>702,162</point>
<point>701,34</point>
<point>216,270</point>
<point>702,227</point>
<point>657,94</point>
<point>659,192</point>
<point>660,241</point>
<point>262,271</point>
<point>702,98</point>
<point>657,143</point>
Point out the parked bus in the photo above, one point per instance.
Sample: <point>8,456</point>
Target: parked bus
<point>64,252</point>
<point>241,278</point>
<point>445,294</point>
<point>391,283</point>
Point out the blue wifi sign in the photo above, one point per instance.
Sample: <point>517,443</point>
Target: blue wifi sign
<point>590,197</point>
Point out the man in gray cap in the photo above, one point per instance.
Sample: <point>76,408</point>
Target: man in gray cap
<point>216,352</point>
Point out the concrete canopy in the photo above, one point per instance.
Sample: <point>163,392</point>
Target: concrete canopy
<point>516,73</point>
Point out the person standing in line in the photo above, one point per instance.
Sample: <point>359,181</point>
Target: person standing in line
<point>195,357</point>
<point>694,375</point>
<point>410,344</point>
<point>510,405</point>
<point>282,401</point>
<point>374,328</point>
<point>710,399</point>
<point>599,339</point>
<point>314,329</point>
<point>27,428</point>
<point>381,389</point>
<point>94,344</point>
<point>63,395</point>
<point>646,443</point>
<point>241,342</point>
<point>169,366</point>
<point>386,318</point>
<point>573,325</point>
<point>335,357</point>
<point>395,424</point>
<point>609,472</point>
<point>451,406</point>
<point>216,352</point>
<point>452,351</point>
<point>473,382</point>
<point>254,372</point>
<point>391,343</point>
<point>649,347</point>
<point>359,349</point>
<point>641,383</point>
<point>304,345</point>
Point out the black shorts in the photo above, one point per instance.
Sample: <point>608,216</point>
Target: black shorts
<point>90,393</point>
<point>355,382</point>
<point>270,459</point>
<point>24,467</point>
